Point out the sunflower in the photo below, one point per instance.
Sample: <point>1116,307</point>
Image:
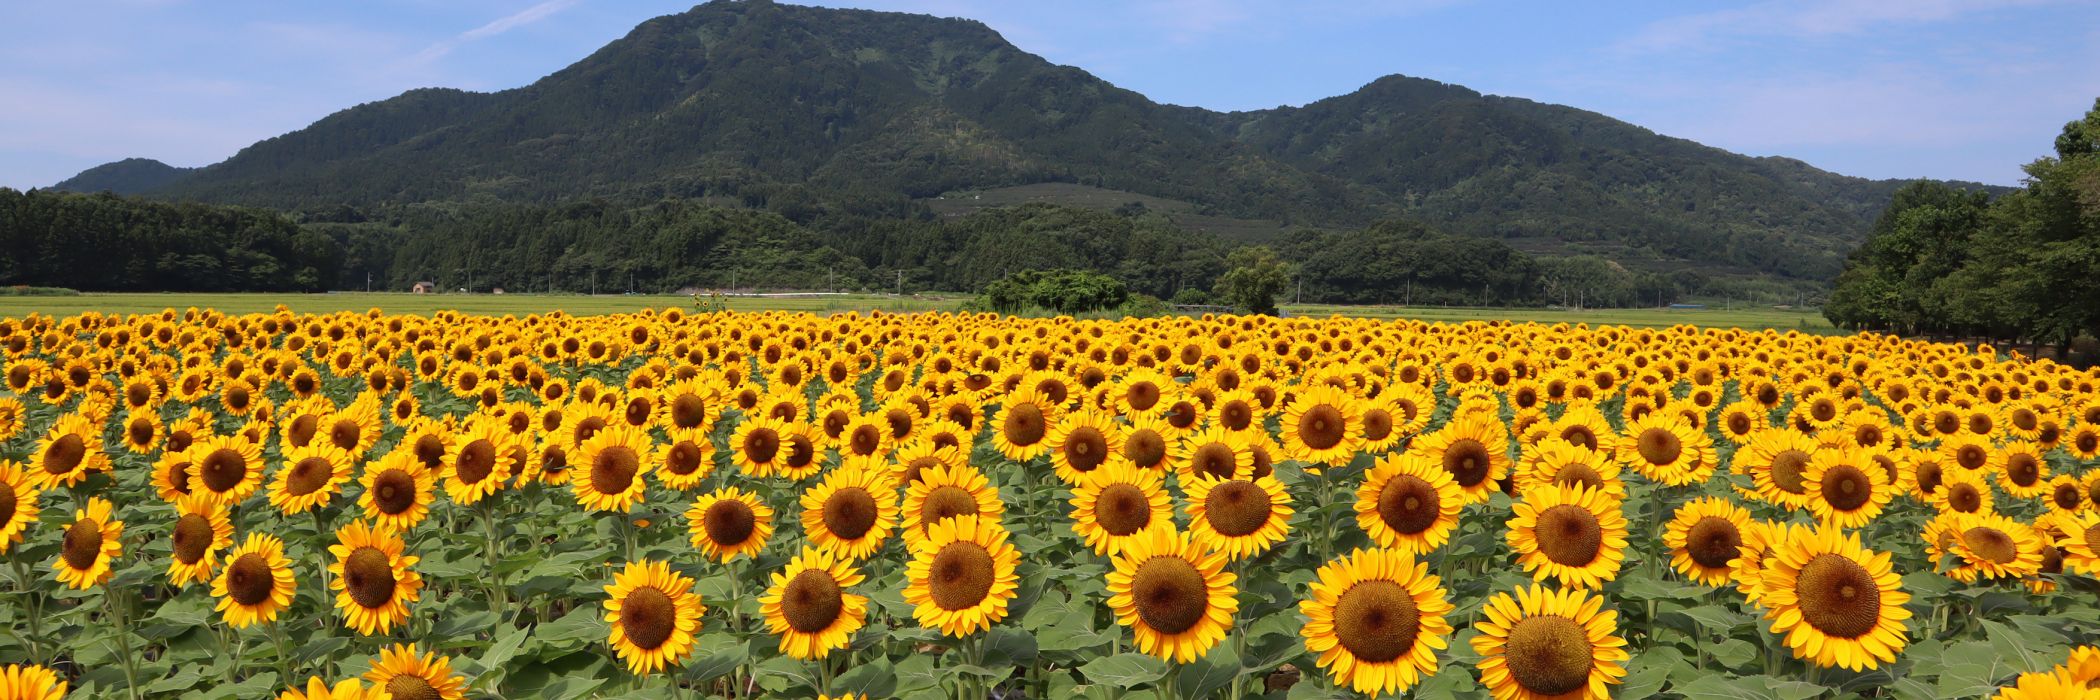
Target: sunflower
<point>1667,450</point>
<point>1705,538</point>
<point>686,459</point>
<point>2021,470</point>
<point>1408,503</point>
<point>1964,491</point>
<point>729,522</point>
<point>228,467</point>
<point>2082,442</point>
<point>1543,643</point>
<point>90,547</point>
<point>1742,420</point>
<point>808,605</point>
<point>757,445</point>
<point>1241,517</point>
<point>18,504</point>
<point>1117,503</point>
<point>943,492</point>
<point>961,575</point>
<point>202,530</point>
<point>1082,442</point>
<point>2054,684</point>
<point>482,457</point>
<point>1835,602</point>
<point>1173,593</point>
<point>1474,451</point>
<point>1214,453</point>
<point>1576,535</point>
<point>654,615</point>
<point>1777,461</point>
<point>1554,462</point>
<point>407,675</point>
<point>612,465</point>
<point>849,514</point>
<point>1585,426</point>
<point>1847,489</point>
<point>373,581</point>
<point>351,689</point>
<point>921,454</point>
<point>71,449</point>
<point>1994,547</point>
<point>398,491</point>
<point>257,582</point>
<point>142,431</point>
<point>2066,494</point>
<point>1024,424</point>
<point>11,417</point>
<point>1376,620</point>
<point>2080,541</point>
<point>1322,426</point>
<point>354,428</point>
<point>31,683</point>
<point>1969,452</point>
<point>310,478</point>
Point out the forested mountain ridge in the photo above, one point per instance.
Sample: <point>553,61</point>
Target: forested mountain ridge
<point>127,176</point>
<point>822,114</point>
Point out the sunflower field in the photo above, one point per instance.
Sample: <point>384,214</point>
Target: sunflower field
<point>729,505</point>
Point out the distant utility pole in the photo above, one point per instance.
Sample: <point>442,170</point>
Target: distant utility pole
<point>900,283</point>
<point>1301,291</point>
<point>368,281</point>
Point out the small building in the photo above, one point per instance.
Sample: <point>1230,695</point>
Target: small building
<point>423,287</point>
<point>498,290</point>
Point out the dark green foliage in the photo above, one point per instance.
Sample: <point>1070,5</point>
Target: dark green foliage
<point>1253,278</point>
<point>127,176</point>
<point>2019,267</point>
<point>1396,262</point>
<point>103,242</point>
<point>1062,291</point>
<point>848,121</point>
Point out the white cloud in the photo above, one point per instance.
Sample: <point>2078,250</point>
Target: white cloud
<point>527,16</point>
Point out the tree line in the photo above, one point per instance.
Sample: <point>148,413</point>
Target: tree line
<point>109,243</point>
<point>2020,267</point>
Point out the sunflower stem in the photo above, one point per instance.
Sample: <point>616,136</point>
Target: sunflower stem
<point>497,598</point>
<point>284,654</point>
<point>116,613</point>
<point>35,641</point>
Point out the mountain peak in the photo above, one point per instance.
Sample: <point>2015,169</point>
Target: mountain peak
<point>127,176</point>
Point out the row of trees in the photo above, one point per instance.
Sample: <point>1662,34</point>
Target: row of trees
<point>2024,266</point>
<point>105,242</point>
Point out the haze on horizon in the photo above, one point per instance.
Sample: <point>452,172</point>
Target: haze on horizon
<point>1953,89</point>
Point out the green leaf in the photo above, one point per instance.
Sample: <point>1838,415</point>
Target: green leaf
<point>1645,675</point>
<point>719,655</point>
<point>1733,653</point>
<point>1208,674</point>
<point>876,679</point>
<point>1004,646</point>
<point>1721,687</point>
<point>1713,620</point>
<point>1124,670</point>
<point>582,623</point>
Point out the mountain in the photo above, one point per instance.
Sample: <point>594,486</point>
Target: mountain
<point>819,112</point>
<point>127,176</point>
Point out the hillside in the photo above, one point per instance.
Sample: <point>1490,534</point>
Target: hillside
<point>128,176</point>
<point>819,112</point>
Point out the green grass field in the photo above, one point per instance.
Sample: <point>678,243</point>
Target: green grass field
<point>605,304</point>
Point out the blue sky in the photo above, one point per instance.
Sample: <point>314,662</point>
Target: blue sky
<point>1964,89</point>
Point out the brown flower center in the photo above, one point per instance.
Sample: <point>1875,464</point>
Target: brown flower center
<point>761,445</point>
<point>1322,427</point>
<point>683,458</point>
<point>308,475</point>
<point>1408,504</point>
<point>648,617</point>
<point>1237,508</point>
<point>83,544</point>
<point>1549,654</point>
<point>729,522</point>
<point>947,502</point>
<point>368,576</point>
<point>613,471</point>
<point>394,491</point>
<point>850,513</point>
<point>65,454</point>
<point>1170,593</point>
<point>477,460</point>
<point>1570,535</point>
<point>1377,621</point>
<point>960,576</point>
<point>1991,543</point>
<point>1839,597</point>
<point>346,434</point>
<point>410,687</point>
<point>1846,488</point>
<point>811,601</point>
<point>193,536</point>
<point>223,469</point>
<point>2023,469</point>
<point>1468,461</point>
<point>1023,424</point>
<point>1214,459</point>
<point>1659,446</point>
<point>1122,509</point>
<point>1713,542</point>
<point>249,580</point>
